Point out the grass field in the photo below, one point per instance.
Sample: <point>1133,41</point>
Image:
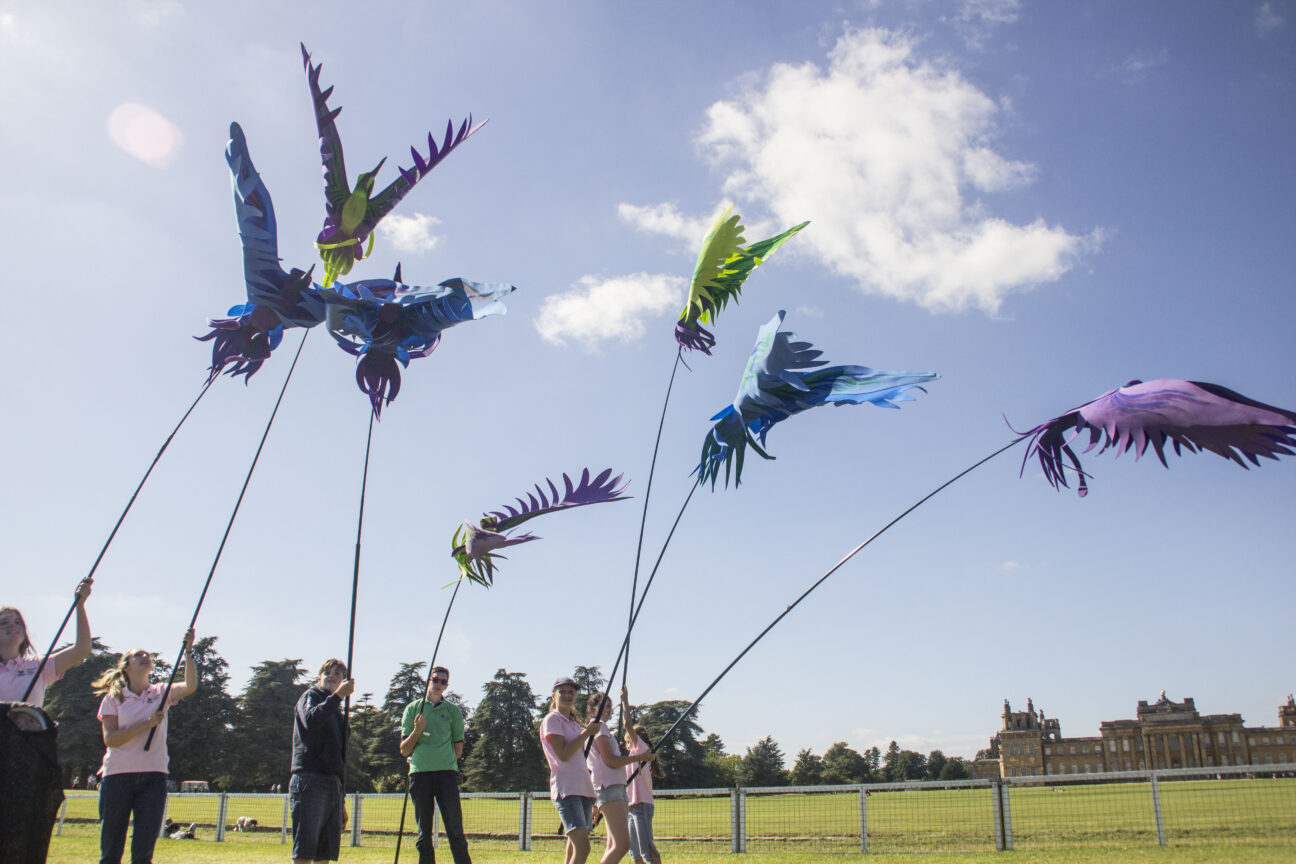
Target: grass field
<point>1208,820</point>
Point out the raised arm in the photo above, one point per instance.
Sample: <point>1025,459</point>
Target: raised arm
<point>80,650</point>
<point>180,691</point>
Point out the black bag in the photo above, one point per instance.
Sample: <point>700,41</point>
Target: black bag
<point>31,783</point>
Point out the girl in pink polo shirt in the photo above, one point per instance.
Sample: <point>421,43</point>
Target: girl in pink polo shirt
<point>642,848</point>
<point>561,739</point>
<point>19,660</point>
<point>607,771</point>
<point>134,779</point>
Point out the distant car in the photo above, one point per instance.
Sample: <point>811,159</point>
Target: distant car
<point>194,786</point>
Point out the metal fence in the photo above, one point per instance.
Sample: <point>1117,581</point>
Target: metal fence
<point>1180,807</point>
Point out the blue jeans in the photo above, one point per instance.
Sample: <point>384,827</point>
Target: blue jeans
<point>641,832</point>
<point>316,804</point>
<point>142,793</point>
<point>433,790</point>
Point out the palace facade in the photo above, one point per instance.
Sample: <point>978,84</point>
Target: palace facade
<point>1166,734</point>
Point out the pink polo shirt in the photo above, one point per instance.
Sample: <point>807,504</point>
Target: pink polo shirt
<point>640,786</point>
<point>131,757</point>
<point>566,777</point>
<point>17,673</point>
<point>602,775</point>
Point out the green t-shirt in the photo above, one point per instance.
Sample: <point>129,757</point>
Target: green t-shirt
<point>443,728</point>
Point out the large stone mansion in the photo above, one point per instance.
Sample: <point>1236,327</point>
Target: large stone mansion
<point>1167,734</point>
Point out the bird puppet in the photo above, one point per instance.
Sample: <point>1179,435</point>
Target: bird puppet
<point>723,264</point>
<point>1190,415</point>
<point>352,214</point>
<point>385,323</point>
<point>474,547</point>
<point>276,299</point>
<point>775,386</point>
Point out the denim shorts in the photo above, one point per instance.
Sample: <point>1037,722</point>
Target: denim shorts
<point>316,804</point>
<point>616,792</point>
<point>575,811</point>
<point>641,833</point>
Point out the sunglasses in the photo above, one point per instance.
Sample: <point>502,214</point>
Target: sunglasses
<point>437,679</point>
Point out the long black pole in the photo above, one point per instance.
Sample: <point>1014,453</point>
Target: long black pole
<point>400,832</point>
<point>41,667</point>
<point>819,582</point>
<point>643,519</point>
<point>355,571</point>
<point>215,561</point>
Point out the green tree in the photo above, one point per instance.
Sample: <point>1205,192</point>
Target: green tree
<point>841,764</point>
<point>368,726</point>
<point>935,764</point>
<point>200,726</point>
<point>807,770</point>
<point>682,756</point>
<point>872,764</point>
<point>911,766</point>
<point>954,769</point>
<point>763,764</point>
<point>262,734</point>
<point>506,755</point>
<point>406,685</point>
<point>712,744</point>
<point>891,769</point>
<point>75,707</point>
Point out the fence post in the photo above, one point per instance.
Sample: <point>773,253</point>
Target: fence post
<point>436,823</point>
<point>221,809</point>
<point>356,817</point>
<point>738,821</point>
<point>283,824</point>
<point>997,803</point>
<point>863,821</point>
<point>524,821</point>
<point>62,814</point>
<point>1156,812</point>
<point>1005,790</point>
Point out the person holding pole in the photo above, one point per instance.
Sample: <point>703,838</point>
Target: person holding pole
<point>433,730</point>
<point>318,766</point>
<point>562,739</point>
<point>135,778</point>
<point>642,848</point>
<point>20,666</point>
<point>607,771</point>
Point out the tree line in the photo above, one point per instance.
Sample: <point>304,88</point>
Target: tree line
<point>244,742</point>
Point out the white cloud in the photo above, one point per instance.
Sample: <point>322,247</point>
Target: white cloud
<point>145,134</point>
<point>976,20</point>
<point>1009,566</point>
<point>411,233</point>
<point>1268,19</point>
<point>598,309</point>
<point>8,23</point>
<point>666,219</point>
<point>1135,67</point>
<point>878,151</point>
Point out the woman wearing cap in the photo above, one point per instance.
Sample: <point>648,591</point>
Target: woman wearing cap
<point>562,738</point>
<point>607,771</point>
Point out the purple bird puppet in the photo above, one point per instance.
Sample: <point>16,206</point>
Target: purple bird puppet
<point>474,547</point>
<point>385,323</point>
<point>774,387</point>
<point>1189,414</point>
<point>276,299</point>
<point>352,214</point>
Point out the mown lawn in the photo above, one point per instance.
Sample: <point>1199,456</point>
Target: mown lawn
<point>1235,820</point>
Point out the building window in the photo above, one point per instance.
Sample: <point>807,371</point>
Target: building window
<point>1174,742</point>
<point>1048,751</point>
<point>1265,740</point>
<point>1072,749</point>
<point>1030,749</point>
<point>1075,769</point>
<point>1223,760</point>
<point>1221,737</point>
<point>1251,740</point>
<point>1278,739</point>
<point>1111,746</point>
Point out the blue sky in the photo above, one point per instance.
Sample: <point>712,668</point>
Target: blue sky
<point>1038,201</point>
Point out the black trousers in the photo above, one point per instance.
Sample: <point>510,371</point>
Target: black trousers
<point>439,790</point>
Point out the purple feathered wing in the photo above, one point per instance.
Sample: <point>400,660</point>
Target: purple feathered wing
<point>1188,414</point>
<point>473,547</point>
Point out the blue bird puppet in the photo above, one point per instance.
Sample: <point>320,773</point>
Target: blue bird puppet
<point>774,387</point>
<point>276,299</point>
<point>386,323</point>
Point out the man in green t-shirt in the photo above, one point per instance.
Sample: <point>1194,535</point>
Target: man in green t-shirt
<point>433,736</point>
